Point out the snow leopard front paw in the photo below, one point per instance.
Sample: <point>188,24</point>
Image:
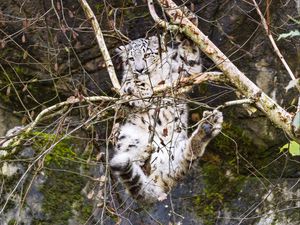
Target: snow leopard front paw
<point>213,123</point>
<point>139,94</point>
<point>141,100</point>
<point>143,95</point>
<point>209,127</point>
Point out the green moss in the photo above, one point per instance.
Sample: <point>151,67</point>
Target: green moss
<point>218,192</point>
<point>221,188</point>
<point>62,191</point>
<point>12,222</point>
<point>99,7</point>
<point>234,132</point>
<point>85,209</point>
<point>62,150</point>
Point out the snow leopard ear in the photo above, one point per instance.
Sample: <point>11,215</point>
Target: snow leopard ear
<point>153,42</point>
<point>187,43</point>
<point>157,42</point>
<point>119,51</point>
<point>120,54</point>
<point>119,57</point>
<point>183,41</point>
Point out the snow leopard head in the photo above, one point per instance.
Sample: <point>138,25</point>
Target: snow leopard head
<point>141,55</point>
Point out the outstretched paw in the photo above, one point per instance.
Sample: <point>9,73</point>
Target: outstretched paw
<point>209,127</point>
<point>139,102</point>
<point>120,162</point>
<point>213,122</point>
<point>138,93</point>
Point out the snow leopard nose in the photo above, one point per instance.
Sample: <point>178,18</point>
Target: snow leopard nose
<point>139,70</point>
<point>139,65</point>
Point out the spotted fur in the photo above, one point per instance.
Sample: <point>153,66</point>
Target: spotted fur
<point>153,150</point>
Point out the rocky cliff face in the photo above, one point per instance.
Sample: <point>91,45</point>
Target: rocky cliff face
<point>48,53</point>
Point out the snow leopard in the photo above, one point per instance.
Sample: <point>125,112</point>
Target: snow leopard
<point>153,150</point>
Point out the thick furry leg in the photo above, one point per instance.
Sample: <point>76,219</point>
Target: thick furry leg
<point>205,132</point>
<point>137,183</point>
<point>166,172</point>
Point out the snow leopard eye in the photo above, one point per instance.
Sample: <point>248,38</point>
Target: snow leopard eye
<point>147,55</point>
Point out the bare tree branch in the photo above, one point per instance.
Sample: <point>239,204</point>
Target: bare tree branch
<point>71,100</point>
<point>275,113</point>
<point>158,20</point>
<point>99,36</point>
<point>51,110</point>
<point>185,84</point>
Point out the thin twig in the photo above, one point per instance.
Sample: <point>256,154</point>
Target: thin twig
<point>237,102</point>
<point>70,100</point>
<point>182,86</point>
<point>99,36</point>
<point>276,49</point>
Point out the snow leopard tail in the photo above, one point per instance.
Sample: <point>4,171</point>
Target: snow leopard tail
<point>139,186</point>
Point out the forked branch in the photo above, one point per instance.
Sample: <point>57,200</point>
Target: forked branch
<point>273,111</point>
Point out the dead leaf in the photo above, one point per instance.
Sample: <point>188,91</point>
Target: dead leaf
<point>24,120</point>
<point>161,82</point>
<point>8,90</point>
<point>2,19</point>
<point>56,67</point>
<point>195,117</point>
<point>32,114</point>
<point>165,132</point>
<point>25,23</point>
<point>23,38</point>
<point>74,34</point>
<point>58,6</point>
<point>90,195</point>
<point>63,28</point>
<point>99,156</point>
<point>2,44</point>
<point>71,14</point>
<point>250,109</point>
<point>192,7</point>
<point>25,55</point>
